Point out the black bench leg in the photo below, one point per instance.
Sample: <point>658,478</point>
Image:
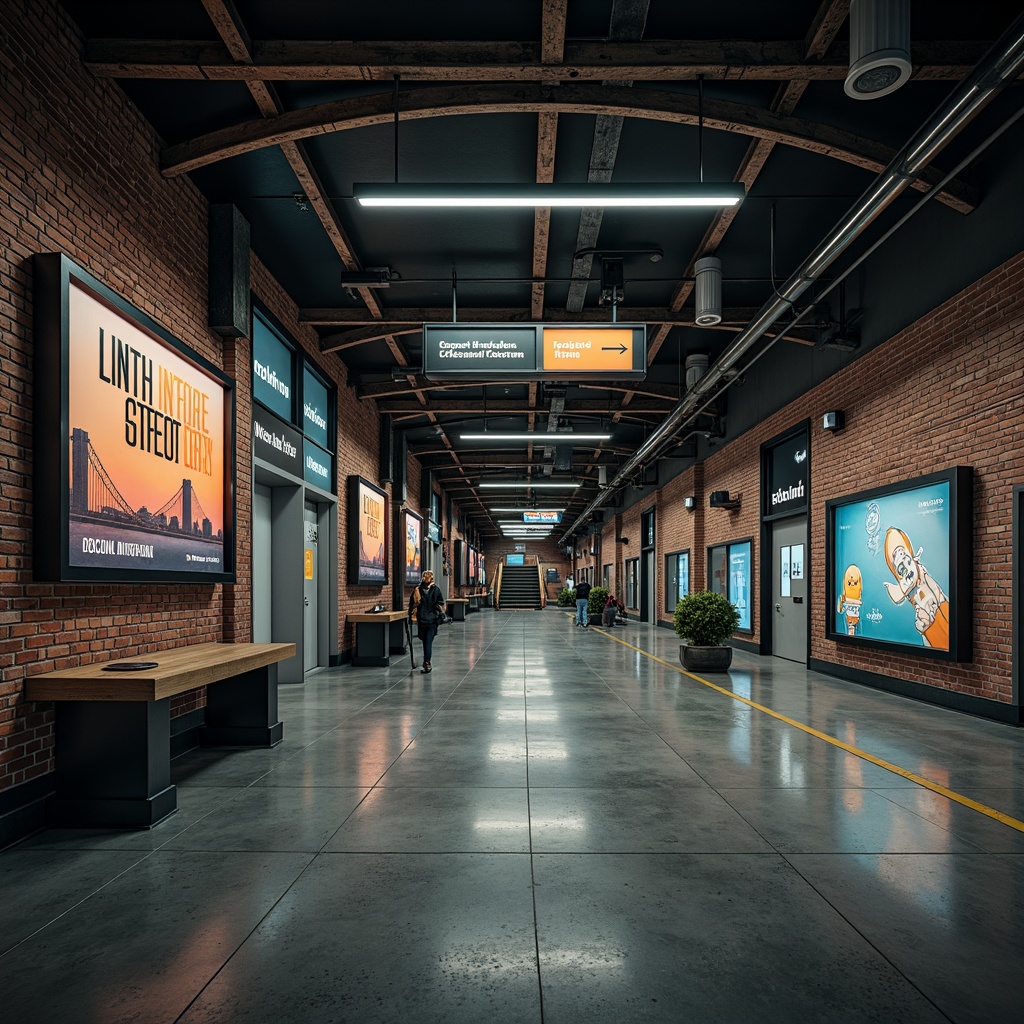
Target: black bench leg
<point>113,764</point>
<point>242,711</point>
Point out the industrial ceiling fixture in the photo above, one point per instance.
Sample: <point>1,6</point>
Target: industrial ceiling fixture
<point>371,277</point>
<point>708,291</point>
<point>653,253</point>
<point>879,48</point>
<point>549,437</point>
<point>534,194</point>
<point>527,484</point>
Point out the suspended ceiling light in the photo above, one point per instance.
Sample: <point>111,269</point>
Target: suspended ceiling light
<point>526,510</point>
<point>708,291</point>
<point>879,48</point>
<point>533,194</point>
<point>525,484</point>
<point>555,437</point>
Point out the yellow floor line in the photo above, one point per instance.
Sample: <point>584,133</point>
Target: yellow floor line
<point>920,780</point>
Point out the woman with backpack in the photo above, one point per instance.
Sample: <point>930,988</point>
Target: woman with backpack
<point>426,607</point>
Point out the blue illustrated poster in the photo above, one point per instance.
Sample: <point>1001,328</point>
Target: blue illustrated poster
<point>891,564</point>
<point>739,581</point>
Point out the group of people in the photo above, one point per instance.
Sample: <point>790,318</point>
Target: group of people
<point>613,607</point>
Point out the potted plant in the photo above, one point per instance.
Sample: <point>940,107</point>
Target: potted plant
<point>566,598</point>
<point>704,621</point>
<point>596,603</point>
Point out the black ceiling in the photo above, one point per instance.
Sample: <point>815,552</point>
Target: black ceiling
<point>210,74</point>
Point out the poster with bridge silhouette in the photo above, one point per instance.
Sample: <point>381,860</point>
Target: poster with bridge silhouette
<point>146,461</point>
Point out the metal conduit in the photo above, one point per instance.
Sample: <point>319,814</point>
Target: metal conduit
<point>998,68</point>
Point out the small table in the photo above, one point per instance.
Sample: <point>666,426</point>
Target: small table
<point>374,640</point>
<point>457,606</point>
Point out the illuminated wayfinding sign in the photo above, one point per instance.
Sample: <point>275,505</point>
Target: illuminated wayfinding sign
<point>535,351</point>
<point>542,517</point>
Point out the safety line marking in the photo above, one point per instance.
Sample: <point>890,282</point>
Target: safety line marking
<point>920,780</point>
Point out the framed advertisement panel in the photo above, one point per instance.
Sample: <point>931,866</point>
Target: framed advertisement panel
<point>134,442</point>
<point>898,562</point>
<point>460,563</point>
<point>367,533</point>
<point>412,531</point>
<point>730,571</point>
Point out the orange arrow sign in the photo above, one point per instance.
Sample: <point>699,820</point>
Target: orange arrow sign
<point>586,349</point>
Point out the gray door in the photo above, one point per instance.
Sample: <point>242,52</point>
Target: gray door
<point>789,589</point>
<point>262,576</point>
<point>311,570</point>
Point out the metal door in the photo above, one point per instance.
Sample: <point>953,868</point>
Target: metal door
<point>789,589</point>
<point>309,590</point>
<point>650,611</point>
<point>262,577</point>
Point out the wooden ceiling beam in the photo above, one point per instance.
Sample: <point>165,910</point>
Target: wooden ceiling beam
<point>399,320</point>
<point>617,101</point>
<point>655,60</point>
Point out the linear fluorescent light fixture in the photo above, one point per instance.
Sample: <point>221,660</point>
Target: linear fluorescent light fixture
<point>555,437</point>
<point>521,484</point>
<point>494,509</point>
<point>533,194</point>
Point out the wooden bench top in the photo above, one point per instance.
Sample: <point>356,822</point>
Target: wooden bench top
<point>457,600</point>
<point>376,616</point>
<point>177,671</point>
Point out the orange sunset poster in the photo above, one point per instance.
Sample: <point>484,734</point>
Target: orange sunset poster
<point>147,431</point>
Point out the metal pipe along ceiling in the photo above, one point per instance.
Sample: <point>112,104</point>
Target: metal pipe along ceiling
<point>998,68</point>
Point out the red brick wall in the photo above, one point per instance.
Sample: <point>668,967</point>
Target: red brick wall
<point>946,391</point>
<point>79,174</point>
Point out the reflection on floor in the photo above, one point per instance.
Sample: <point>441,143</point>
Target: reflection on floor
<point>550,826</point>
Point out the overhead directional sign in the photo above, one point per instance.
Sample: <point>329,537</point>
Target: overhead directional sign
<point>542,517</point>
<point>535,351</point>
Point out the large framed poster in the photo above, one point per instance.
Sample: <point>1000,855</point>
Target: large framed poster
<point>412,530</point>
<point>134,442</point>
<point>899,563</point>
<point>367,533</point>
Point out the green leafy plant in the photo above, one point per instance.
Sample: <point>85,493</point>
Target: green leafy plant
<point>598,599</point>
<point>705,619</point>
<point>566,598</point>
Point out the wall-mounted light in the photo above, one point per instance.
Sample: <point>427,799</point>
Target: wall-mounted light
<point>690,503</point>
<point>622,540</point>
<point>834,420</point>
<point>721,499</point>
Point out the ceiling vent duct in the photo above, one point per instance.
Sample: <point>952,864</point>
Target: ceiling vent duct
<point>708,291</point>
<point>696,367</point>
<point>563,458</point>
<point>879,48</point>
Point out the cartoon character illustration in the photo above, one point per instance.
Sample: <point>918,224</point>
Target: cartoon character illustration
<point>849,599</point>
<point>931,606</point>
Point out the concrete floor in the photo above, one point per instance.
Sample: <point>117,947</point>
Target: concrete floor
<point>550,827</point>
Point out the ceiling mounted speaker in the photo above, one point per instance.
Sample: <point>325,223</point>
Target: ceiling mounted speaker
<point>708,291</point>
<point>879,48</point>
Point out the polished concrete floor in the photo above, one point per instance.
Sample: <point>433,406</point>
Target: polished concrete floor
<point>550,827</point>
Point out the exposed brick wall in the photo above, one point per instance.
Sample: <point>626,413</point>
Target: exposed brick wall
<point>946,391</point>
<point>79,173</point>
<point>545,552</point>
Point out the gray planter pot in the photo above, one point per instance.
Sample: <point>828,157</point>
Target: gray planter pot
<point>705,659</point>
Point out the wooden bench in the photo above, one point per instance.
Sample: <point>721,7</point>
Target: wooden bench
<point>456,608</point>
<point>377,635</point>
<point>112,737</point>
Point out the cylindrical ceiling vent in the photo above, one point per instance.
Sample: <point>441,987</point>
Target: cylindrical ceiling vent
<point>879,48</point>
<point>696,367</point>
<point>708,291</point>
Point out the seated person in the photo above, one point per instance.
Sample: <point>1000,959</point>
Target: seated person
<point>612,609</point>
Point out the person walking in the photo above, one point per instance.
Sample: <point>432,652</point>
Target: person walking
<point>583,604</point>
<point>426,607</point>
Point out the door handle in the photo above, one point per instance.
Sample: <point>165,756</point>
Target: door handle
<point>778,607</point>
<point>306,601</point>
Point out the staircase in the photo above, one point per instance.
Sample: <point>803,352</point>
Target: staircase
<point>520,587</point>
